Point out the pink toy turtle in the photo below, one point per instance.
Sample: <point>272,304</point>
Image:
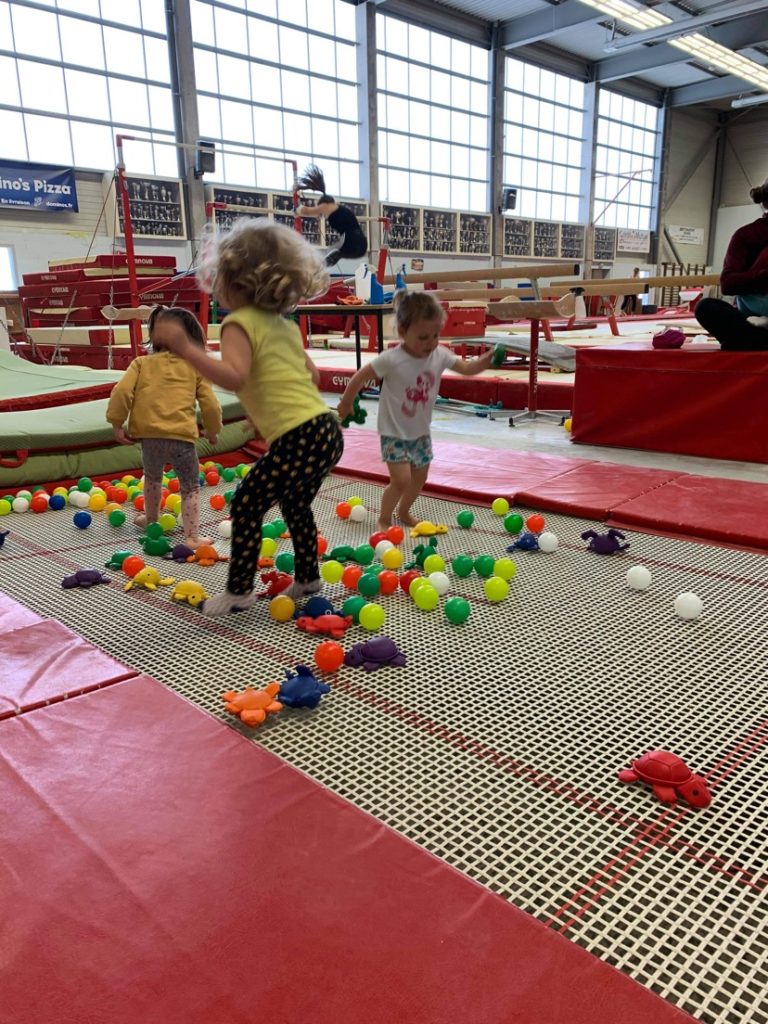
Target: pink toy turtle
<point>669,777</point>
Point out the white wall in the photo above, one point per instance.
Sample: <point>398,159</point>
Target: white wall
<point>746,157</point>
<point>689,135</point>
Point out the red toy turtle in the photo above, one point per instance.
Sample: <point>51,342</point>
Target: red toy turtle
<point>669,776</point>
<point>331,625</point>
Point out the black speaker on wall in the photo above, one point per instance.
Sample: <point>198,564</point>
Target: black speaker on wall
<point>509,199</point>
<point>205,157</point>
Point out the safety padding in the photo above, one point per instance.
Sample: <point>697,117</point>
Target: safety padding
<point>14,615</point>
<point>593,489</point>
<point>44,661</point>
<point>159,867</point>
<point>696,400</point>
<point>726,511</point>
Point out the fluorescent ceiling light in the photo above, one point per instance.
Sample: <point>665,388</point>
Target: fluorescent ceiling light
<point>703,49</point>
<point>749,101</point>
<point>685,26</point>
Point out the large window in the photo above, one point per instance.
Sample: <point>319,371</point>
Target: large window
<point>277,79</point>
<point>543,141</point>
<point>76,72</point>
<point>433,118</point>
<point>626,164</point>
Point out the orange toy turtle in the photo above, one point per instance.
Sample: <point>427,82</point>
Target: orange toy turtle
<point>253,706</point>
<point>206,554</point>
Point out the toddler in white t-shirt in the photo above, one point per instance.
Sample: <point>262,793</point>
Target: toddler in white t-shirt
<point>410,380</point>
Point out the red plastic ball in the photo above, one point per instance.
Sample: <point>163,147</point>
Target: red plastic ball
<point>138,502</point>
<point>173,485</point>
<point>322,545</point>
<point>212,477</point>
<point>407,579</point>
<point>343,510</point>
<point>132,565</point>
<point>121,495</point>
<point>350,576</point>
<point>218,502</point>
<point>374,539</point>
<point>329,656</point>
<point>535,523</point>
<point>39,503</point>
<point>395,534</point>
<point>388,581</point>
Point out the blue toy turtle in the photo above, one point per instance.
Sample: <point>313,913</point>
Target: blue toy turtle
<point>525,542</point>
<point>300,689</point>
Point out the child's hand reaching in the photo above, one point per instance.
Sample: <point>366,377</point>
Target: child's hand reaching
<point>344,409</point>
<point>168,333</point>
<point>121,437</point>
<point>212,438</point>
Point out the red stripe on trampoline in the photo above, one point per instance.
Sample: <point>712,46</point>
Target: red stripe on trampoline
<point>760,741</point>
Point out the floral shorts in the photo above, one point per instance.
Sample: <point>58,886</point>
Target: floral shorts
<point>398,449</point>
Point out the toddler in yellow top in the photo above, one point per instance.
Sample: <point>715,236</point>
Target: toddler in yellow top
<point>261,271</point>
<point>158,396</point>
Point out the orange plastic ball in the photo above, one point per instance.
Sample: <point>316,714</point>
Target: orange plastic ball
<point>535,523</point>
<point>343,510</point>
<point>350,576</point>
<point>218,502</point>
<point>322,545</point>
<point>212,477</point>
<point>395,534</point>
<point>120,495</point>
<point>39,503</point>
<point>173,485</point>
<point>138,502</point>
<point>388,581</point>
<point>329,656</point>
<point>132,565</point>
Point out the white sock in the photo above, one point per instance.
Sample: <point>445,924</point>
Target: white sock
<point>298,590</point>
<point>222,604</point>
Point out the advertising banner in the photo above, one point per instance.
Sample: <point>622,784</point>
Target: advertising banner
<point>37,187</point>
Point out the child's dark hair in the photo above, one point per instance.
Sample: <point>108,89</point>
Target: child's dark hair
<point>409,307</point>
<point>188,321</point>
<point>313,180</point>
<point>759,194</point>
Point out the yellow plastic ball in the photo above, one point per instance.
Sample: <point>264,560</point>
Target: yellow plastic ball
<point>372,616</point>
<point>5,507</point>
<point>354,501</point>
<point>173,503</point>
<point>110,507</point>
<point>496,589</point>
<point>415,586</point>
<point>62,491</point>
<point>97,502</point>
<point>426,598</point>
<point>167,521</point>
<point>568,424</point>
<point>500,506</point>
<point>128,479</point>
<point>433,563</point>
<point>281,608</point>
<point>332,571</point>
<point>504,568</point>
<point>268,547</point>
<point>392,559</point>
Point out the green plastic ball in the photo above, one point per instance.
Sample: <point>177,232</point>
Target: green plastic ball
<point>496,589</point>
<point>484,565</point>
<point>364,554</point>
<point>374,570</point>
<point>354,500</point>
<point>504,568</point>
<point>268,530</point>
<point>85,484</point>
<point>228,474</point>
<point>285,562</point>
<point>368,584</point>
<point>513,523</point>
<point>426,598</point>
<point>154,531</point>
<point>116,517</point>
<point>228,496</point>
<point>372,617</point>
<point>280,526</point>
<point>499,506</point>
<point>457,610</point>
<point>462,565</point>
<point>352,606</point>
<point>465,519</point>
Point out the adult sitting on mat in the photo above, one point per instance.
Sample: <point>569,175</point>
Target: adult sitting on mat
<point>743,327</point>
<point>354,243</point>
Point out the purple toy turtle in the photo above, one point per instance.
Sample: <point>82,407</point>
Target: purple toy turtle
<point>525,542</point>
<point>669,777</point>
<point>300,689</point>
<point>180,552</point>
<point>3,535</point>
<point>375,653</point>
<point>84,578</point>
<point>605,543</point>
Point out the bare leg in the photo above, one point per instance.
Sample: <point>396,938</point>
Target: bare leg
<point>152,495</point>
<point>417,479</point>
<point>190,507</point>
<point>399,480</point>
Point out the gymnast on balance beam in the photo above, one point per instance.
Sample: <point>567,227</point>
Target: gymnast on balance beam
<point>354,243</point>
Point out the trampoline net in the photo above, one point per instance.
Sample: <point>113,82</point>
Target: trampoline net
<point>497,746</point>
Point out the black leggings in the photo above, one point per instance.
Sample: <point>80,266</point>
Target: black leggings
<point>290,473</point>
<point>353,245</point>
<point>729,325</point>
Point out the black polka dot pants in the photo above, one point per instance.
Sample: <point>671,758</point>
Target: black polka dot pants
<point>290,475</point>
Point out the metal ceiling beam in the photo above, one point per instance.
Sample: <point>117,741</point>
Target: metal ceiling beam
<point>711,89</point>
<point>684,26</point>
<point>736,35</point>
<point>541,24</point>
<point>440,18</point>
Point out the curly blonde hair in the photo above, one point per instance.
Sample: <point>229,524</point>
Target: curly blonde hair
<point>409,307</point>
<point>262,264</point>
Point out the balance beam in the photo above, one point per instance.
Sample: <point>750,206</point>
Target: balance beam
<point>534,270</point>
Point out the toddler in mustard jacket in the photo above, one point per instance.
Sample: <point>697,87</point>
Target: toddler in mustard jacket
<point>158,396</point>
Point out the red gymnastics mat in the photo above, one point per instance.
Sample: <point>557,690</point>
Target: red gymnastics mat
<point>43,661</point>
<point>160,868</point>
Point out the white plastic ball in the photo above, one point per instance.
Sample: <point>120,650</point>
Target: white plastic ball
<point>639,578</point>
<point>688,605</point>
<point>548,542</point>
<point>440,582</point>
<point>382,546</point>
<point>358,513</point>
<point>79,499</point>
<point>24,494</point>
<point>20,505</point>
<point>224,528</point>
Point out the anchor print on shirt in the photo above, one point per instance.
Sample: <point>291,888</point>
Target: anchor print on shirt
<point>418,395</point>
